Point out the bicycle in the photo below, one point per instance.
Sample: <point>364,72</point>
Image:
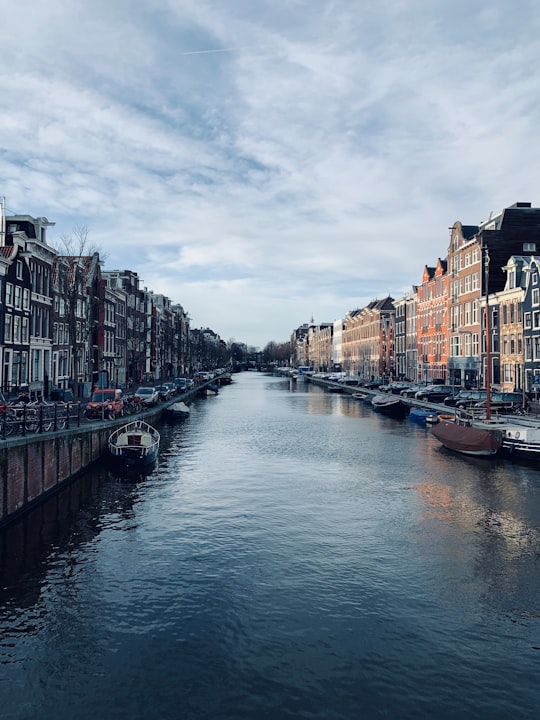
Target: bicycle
<point>9,423</point>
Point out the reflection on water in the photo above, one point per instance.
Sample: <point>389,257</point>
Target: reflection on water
<point>293,554</point>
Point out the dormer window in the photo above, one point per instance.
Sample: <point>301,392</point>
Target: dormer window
<point>529,247</point>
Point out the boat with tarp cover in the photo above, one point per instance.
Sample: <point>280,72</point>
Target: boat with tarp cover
<point>468,439</point>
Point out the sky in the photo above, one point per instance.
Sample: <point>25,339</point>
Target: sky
<point>268,163</point>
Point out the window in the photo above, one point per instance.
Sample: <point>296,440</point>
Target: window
<point>535,296</point>
<point>529,247</point>
<point>527,321</point>
<point>19,270</point>
<point>512,313</point>
<point>16,328</point>
<point>536,319</point>
<point>8,325</point>
<point>507,372</point>
<point>504,318</point>
<point>18,296</point>
<point>475,281</point>
<point>9,293</point>
<point>25,336</point>
<point>26,299</point>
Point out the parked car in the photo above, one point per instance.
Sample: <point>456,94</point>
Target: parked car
<point>337,376</point>
<point>146,396</point>
<point>413,389</point>
<point>349,380</point>
<point>181,384</point>
<point>395,388</point>
<point>105,403</point>
<point>163,392</point>
<point>437,393</point>
<point>465,399</point>
<point>172,388</point>
<point>504,402</point>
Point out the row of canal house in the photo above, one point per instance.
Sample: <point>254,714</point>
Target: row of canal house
<point>65,322</point>
<point>438,329</point>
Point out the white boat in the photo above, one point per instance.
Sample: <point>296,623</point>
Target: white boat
<point>520,436</point>
<point>134,446</point>
<point>177,410</point>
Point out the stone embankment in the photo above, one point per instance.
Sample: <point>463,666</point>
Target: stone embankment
<point>353,389</point>
<point>34,466</point>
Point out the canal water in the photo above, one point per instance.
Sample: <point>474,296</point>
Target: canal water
<point>293,555</point>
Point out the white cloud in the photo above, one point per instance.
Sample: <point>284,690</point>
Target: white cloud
<point>264,162</point>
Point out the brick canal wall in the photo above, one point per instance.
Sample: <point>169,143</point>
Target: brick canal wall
<point>33,467</point>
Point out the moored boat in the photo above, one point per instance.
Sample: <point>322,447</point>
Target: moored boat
<point>423,416</point>
<point>390,405</point>
<point>520,436</point>
<point>449,417</point>
<point>468,439</point>
<point>177,410</point>
<point>134,446</point>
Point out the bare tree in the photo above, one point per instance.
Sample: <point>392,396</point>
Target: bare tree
<point>77,279</point>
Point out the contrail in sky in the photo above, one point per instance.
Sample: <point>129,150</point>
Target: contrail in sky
<point>220,50</point>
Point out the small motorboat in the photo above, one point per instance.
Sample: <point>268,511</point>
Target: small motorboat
<point>423,416</point>
<point>134,446</point>
<point>177,410</point>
